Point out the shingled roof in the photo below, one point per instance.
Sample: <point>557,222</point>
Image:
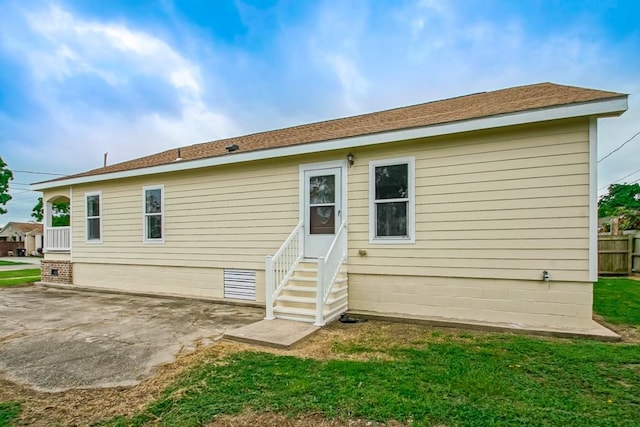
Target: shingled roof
<point>24,227</point>
<point>475,106</point>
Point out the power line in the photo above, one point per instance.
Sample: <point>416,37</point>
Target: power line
<point>622,145</point>
<point>618,180</point>
<point>41,173</point>
<point>13,196</point>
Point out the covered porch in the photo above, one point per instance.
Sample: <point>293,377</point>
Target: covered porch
<point>57,224</point>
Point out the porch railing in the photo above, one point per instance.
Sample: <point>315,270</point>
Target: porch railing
<point>328,269</point>
<point>280,267</point>
<point>57,239</point>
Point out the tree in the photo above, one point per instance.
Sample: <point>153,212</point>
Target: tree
<point>5,176</point>
<point>625,196</point>
<point>59,213</point>
<point>37,212</point>
<point>623,202</point>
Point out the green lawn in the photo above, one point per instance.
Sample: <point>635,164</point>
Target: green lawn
<point>452,380</point>
<point>19,277</point>
<point>3,262</point>
<point>434,377</point>
<point>9,411</point>
<point>617,300</point>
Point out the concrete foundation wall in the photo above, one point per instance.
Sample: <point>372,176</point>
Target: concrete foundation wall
<point>164,280</point>
<point>518,302</point>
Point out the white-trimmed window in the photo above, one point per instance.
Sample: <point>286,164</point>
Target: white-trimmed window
<point>392,200</point>
<point>93,211</point>
<point>153,213</point>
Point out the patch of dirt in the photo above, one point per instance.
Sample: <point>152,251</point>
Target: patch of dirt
<point>630,334</point>
<point>252,419</point>
<point>88,406</point>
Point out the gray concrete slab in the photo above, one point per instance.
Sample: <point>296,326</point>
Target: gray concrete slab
<point>276,333</point>
<point>54,340</point>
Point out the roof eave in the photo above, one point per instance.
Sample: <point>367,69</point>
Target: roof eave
<point>600,108</point>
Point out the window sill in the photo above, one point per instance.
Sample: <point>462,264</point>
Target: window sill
<point>153,242</point>
<point>407,241</point>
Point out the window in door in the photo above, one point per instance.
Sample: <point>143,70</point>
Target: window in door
<point>322,204</point>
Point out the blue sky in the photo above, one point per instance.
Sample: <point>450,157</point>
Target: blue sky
<point>131,78</point>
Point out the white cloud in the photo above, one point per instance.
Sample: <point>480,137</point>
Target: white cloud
<point>336,42</point>
<point>56,46</point>
<point>108,50</point>
<point>59,45</point>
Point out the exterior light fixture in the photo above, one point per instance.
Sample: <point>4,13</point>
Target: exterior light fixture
<point>350,159</point>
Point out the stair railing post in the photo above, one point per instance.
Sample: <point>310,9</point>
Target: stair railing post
<point>269,287</point>
<point>301,240</point>
<point>320,294</point>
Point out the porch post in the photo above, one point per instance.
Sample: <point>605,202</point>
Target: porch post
<point>320,294</point>
<point>268,273</point>
<point>46,216</point>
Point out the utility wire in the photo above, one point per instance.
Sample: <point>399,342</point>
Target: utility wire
<point>618,180</point>
<point>41,173</point>
<point>13,196</point>
<point>622,145</point>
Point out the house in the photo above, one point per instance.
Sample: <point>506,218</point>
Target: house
<point>29,233</point>
<point>480,208</point>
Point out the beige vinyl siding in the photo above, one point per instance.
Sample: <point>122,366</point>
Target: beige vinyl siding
<point>226,217</point>
<point>502,204</point>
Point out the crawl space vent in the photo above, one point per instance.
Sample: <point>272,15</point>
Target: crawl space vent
<point>240,284</point>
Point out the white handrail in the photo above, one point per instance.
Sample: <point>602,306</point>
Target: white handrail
<point>328,269</point>
<point>280,267</point>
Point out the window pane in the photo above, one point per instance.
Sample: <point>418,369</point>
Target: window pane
<point>93,229</point>
<point>322,189</point>
<point>93,205</point>
<point>322,220</point>
<point>392,182</point>
<point>154,227</point>
<point>153,201</point>
<point>391,219</point>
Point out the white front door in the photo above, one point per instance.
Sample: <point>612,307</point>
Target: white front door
<point>322,209</point>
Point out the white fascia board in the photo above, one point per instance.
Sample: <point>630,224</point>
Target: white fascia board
<point>589,109</point>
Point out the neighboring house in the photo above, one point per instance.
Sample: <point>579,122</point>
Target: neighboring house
<point>29,233</point>
<point>480,208</point>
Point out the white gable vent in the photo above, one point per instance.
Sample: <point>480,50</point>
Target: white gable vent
<point>240,284</point>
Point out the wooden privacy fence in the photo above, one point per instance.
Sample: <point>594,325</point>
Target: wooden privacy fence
<point>618,255</point>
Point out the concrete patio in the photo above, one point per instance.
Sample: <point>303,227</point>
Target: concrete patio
<point>54,340</point>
